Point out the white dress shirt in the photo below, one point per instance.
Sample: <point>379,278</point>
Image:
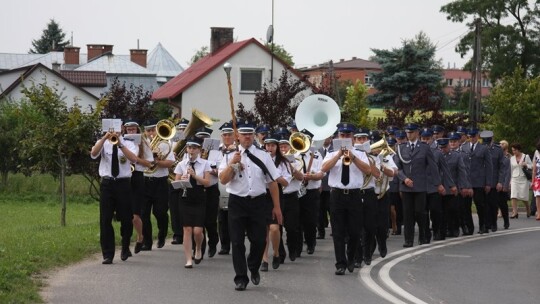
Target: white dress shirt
<point>388,162</point>
<point>356,177</point>
<point>106,159</point>
<point>251,181</point>
<point>315,168</point>
<point>162,172</point>
<point>200,166</point>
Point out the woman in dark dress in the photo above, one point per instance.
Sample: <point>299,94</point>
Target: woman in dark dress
<point>193,200</point>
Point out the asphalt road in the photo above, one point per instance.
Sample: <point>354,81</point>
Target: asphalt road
<point>500,267</point>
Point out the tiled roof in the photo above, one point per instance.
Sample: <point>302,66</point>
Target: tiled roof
<point>198,70</point>
<point>86,78</point>
<point>459,74</point>
<point>355,63</point>
<point>161,62</point>
<point>114,65</point>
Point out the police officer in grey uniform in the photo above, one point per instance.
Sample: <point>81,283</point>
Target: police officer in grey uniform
<point>247,175</point>
<point>415,162</point>
<point>481,175</point>
<point>496,193</point>
<point>459,174</point>
<point>346,180</point>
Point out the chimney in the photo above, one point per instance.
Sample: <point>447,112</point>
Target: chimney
<point>56,66</point>
<point>71,55</point>
<point>138,56</point>
<point>219,37</point>
<point>354,58</point>
<point>96,50</point>
<point>341,60</point>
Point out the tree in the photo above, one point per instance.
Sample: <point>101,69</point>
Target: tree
<point>129,103</point>
<point>52,39</point>
<point>280,52</point>
<point>200,53</point>
<point>55,134</point>
<point>12,129</point>
<point>514,105</point>
<point>355,109</point>
<point>275,103</point>
<point>509,33</point>
<point>406,70</point>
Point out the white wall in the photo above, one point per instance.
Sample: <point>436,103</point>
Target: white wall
<point>211,94</point>
<point>69,92</point>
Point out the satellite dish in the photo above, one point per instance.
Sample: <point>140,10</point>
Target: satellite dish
<point>270,34</point>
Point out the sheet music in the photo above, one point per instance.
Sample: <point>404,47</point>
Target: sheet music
<point>111,124</point>
<point>210,144</point>
<point>342,143</point>
<point>181,184</point>
<point>135,138</point>
<point>179,136</point>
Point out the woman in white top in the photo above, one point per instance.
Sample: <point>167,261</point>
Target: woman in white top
<point>195,170</point>
<point>519,185</point>
<point>536,179</point>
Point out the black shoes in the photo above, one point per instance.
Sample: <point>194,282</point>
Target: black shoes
<point>320,237</point>
<point>125,254</point>
<point>264,266</point>
<point>138,247</point>
<point>107,261</point>
<point>357,264</point>
<point>146,248</point>
<point>255,277</point>
<point>310,250</point>
<point>188,266</point>
<point>240,286</point>
<point>383,252</point>
<point>408,244</point>
<point>212,252</point>
<point>275,262</point>
<point>340,271</point>
<point>367,260</point>
<point>161,243</point>
<point>176,240</point>
<point>223,251</point>
<point>351,266</point>
<point>292,256</point>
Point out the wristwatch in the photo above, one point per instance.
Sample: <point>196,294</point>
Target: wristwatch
<point>120,146</point>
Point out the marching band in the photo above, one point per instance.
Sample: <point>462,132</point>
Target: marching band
<point>263,181</point>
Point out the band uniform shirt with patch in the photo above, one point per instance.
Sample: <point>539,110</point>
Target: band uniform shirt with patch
<point>200,166</point>
<point>162,172</point>
<point>251,181</point>
<point>123,162</point>
<point>315,168</point>
<point>356,179</point>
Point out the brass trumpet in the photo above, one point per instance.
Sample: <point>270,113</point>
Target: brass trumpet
<point>347,160</point>
<point>114,138</point>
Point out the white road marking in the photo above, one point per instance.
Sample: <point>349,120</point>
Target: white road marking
<point>401,255</point>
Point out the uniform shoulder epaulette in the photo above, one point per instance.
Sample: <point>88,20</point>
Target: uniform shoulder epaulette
<point>260,148</point>
<point>422,143</point>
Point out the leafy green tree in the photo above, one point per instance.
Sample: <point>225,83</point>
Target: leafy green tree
<point>514,105</point>
<point>355,108</point>
<point>509,33</point>
<point>11,131</point>
<point>55,133</point>
<point>406,70</point>
<point>52,39</point>
<point>281,53</point>
<point>131,102</point>
<point>275,103</point>
<point>200,53</point>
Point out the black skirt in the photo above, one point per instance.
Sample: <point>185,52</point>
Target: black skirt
<point>193,207</point>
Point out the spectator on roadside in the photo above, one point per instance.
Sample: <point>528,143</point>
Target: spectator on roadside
<point>519,185</point>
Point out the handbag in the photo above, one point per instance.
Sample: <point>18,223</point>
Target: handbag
<point>527,171</point>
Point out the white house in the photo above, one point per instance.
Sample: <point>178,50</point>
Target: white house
<point>203,85</point>
<point>13,81</point>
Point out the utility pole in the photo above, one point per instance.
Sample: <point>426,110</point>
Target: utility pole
<point>475,97</point>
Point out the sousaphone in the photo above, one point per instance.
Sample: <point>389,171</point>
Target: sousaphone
<point>319,114</point>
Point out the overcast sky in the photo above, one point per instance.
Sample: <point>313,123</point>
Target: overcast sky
<point>313,31</point>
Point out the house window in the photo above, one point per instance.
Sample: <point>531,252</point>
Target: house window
<point>467,82</point>
<point>485,83</point>
<point>449,82</point>
<point>250,80</point>
<point>368,82</point>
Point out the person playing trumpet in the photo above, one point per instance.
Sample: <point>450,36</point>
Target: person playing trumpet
<point>346,168</point>
<point>193,204</point>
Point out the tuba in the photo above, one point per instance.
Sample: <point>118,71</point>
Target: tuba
<point>384,150</point>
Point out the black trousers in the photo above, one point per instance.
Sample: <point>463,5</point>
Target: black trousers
<point>291,211</point>
<point>309,216</point>
<point>414,210</point>
<point>115,196</point>
<point>156,202</point>
<point>346,216</point>
<point>465,215</point>
<point>174,209</point>
<point>395,200</point>
<point>450,221</point>
<point>480,201</point>
<point>383,221</point>
<point>137,192</point>
<point>210,222</point>
<point>324,210</point>
<point>494,199</point>
<point>434,212</point>
<point>223,229</point>
<point>503,205</point>
<point>366,244</point>
<point>247,215</point>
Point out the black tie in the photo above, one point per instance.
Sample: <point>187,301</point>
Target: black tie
<point>324,153</point>
<point>344,174</point>
<point>192,180</point>
<point>412,147</point>
<point>259,163</point>
<point>472,147</point>
<point>303,162</point>
<point>115,167</point>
